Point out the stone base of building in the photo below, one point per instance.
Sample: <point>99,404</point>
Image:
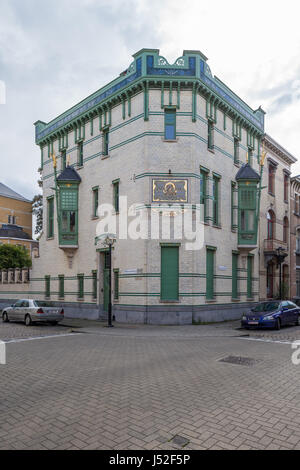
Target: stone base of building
<point>153,315</point>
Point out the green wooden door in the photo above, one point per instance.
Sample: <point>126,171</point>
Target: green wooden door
<point>169,273</point>
<point>105,288</point>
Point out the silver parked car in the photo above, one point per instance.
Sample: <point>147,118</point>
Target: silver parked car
<point>29,311</point>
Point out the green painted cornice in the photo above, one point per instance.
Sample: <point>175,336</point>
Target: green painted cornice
<point>150,69</point>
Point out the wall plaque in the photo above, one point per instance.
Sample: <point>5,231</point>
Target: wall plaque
<point>169,190</point>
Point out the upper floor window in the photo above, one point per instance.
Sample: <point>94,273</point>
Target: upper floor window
<point>203,191</point>
<point>271,225</point>
<point>215,200</point>
<point>105,142</point>
<point>250,156</point>
<point>286,188</point>
<point>63,160</point>
<point>285,229</point>
<point>80,153</point>
<point>210,136</point>
<point>170,124</point>
<point>271,179</point>
<point>236,150</point>
<point>50,211</point>
<point>298,241</point>
<point>95,201</point>
<point>12,219</point>
<point>116,195</point>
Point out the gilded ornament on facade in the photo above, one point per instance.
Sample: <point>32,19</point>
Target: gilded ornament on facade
<point>166,190</point>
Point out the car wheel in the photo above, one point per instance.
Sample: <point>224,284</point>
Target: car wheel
<point>28,320</point>
<point>278,324</point>
<point>6,320</point>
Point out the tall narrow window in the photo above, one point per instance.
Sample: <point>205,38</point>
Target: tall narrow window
<point>249,277</point>
<point>233,225</point>
<point>286,188</point>
<point>50,221</point>
<point>203,191</point>
<point>210,136</point>
<point>285,230</point>
<point>169,273</point>
<point>271,179</point>
<point>250,156</point>
<point>63,160</point>
<point>210,273</point>
<point>170,124</point>
<point>94,278</point>
<point>61,286</point>
<point>215,200</point>
<point>116,195</point>
<point>80,279</point>
<point>116,284</point>
<point>105,141</point>
<point>80,154</point>
<point>235,275</point>
<point>236,151</point>
<point>271,225</point>
<point>95,201</point>
<point>298,242</point>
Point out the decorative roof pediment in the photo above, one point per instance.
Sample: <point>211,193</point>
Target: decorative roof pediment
<point>246,172</point>
<point>69,174</point>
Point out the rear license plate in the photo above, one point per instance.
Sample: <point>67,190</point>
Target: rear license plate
<point>252,322</point>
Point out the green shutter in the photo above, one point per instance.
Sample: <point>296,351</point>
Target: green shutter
<point>47,286</point>
<point>234,275</point>
<point>94,274</point>
<point>61,281</point>
<point>116,284</point>
<point>80,278</point>
<point>249,277</point>
<point>210,269</point>
<point>50,217</point>
<point>169,273</point>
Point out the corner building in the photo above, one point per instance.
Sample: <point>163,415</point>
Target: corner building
<point>158,134</point>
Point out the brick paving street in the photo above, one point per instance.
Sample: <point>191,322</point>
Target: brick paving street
<point>139,386</point>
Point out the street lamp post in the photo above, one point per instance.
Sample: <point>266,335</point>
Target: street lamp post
<point>109,242</point>
<point>280,257</point>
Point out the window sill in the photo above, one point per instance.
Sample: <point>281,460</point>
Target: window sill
<point>169,301</point>
<point>235,300</point>
<point>81,299</point>
<point>211,301</point>
<point>237,164</point>
<point>211,150</point>
<point>217,226</point>
<point>94,217</point>
<point>50,238</point>
<point>171,141</point>
<point>103,157</point>
<point>271,194</point>
<point>79,167</point>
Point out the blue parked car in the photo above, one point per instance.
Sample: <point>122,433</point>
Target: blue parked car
<point>272,314</point>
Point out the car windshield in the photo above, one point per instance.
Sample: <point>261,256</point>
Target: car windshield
<point>43,303</point>
<point>266,307</point>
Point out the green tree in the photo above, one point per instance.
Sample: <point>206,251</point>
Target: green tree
<point>13,256</point>
<point>37,210</point>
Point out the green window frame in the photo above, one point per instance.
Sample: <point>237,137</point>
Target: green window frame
<point>47,286</point>
<point>216,182</point>
<point>210,273</point>
<point>250,277</point>
<point>236,152</point>
<point>116,283</point>
<point>95,284</point>
<point>105,141</point>
<point>50,221</point>
<point>116,195</point>
<point>203,192</point>
<point>95,201</point>
<point>80,279</point>
<point>235,275</point>
<point>169,289</point>
<point>210,135</point>
<point>80,153</point>
<point>61,286</point>
<point>250,156</point>
<point>170,124</point>
<point>63,160</point>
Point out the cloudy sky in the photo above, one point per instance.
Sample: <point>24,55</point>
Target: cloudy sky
<point>54,53</point>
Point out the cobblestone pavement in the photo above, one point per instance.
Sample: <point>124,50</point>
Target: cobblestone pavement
<point>137,387</point>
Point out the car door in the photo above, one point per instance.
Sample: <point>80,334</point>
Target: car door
<point>285,313</point>
<point>293,309</point>
<point>24,309</point>
<point>14,312</point>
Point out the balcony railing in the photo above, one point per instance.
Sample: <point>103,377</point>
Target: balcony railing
<point>272,244</point>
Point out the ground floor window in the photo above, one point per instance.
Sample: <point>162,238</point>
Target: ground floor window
<point>270,280</point>
<point>210,273</point>
<point>61,286</point>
